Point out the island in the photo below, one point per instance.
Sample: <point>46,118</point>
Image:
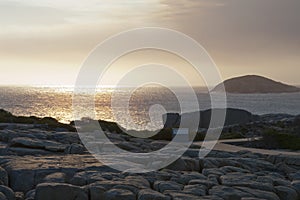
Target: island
<point>251,84</point>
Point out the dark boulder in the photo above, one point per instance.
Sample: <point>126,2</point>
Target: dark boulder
<point>233,117</point>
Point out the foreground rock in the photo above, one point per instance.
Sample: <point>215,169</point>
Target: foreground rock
<point>71,177</point>
<point>148,194</point>
<point>3,177</point>
<point>40,165</point>
<point>35,169</point>
<point>59,191</point>
<point>7,192</point>
<point>230,193</point>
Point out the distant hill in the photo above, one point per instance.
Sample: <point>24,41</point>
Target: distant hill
<point>255,84</point>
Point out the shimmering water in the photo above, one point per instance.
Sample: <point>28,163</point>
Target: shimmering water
<point>57,102</point>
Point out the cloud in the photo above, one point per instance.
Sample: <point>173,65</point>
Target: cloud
<point>241,30</point>
<point>243,36</point>
<point>22,14</point>
<point>63,29</point>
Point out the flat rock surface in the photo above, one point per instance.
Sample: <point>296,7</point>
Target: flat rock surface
<point>49,162</point>
<point>34,165</point>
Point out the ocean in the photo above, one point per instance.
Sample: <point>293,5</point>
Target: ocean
<point>56,102</point>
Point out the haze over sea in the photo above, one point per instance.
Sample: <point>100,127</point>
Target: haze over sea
<point>56,102</point>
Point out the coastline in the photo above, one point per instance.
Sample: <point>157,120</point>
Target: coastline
<point>58,104</point>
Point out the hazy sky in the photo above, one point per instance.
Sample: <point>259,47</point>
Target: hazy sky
<point>45,41</point>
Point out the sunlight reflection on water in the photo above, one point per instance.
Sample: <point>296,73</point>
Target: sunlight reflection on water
<point>57,103</point>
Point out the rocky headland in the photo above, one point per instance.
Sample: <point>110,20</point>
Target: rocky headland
<point>41,162</point>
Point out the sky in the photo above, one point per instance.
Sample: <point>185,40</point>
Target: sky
<point>44,42</point>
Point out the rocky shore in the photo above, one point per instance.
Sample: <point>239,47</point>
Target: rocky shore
<point>41,164</point>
